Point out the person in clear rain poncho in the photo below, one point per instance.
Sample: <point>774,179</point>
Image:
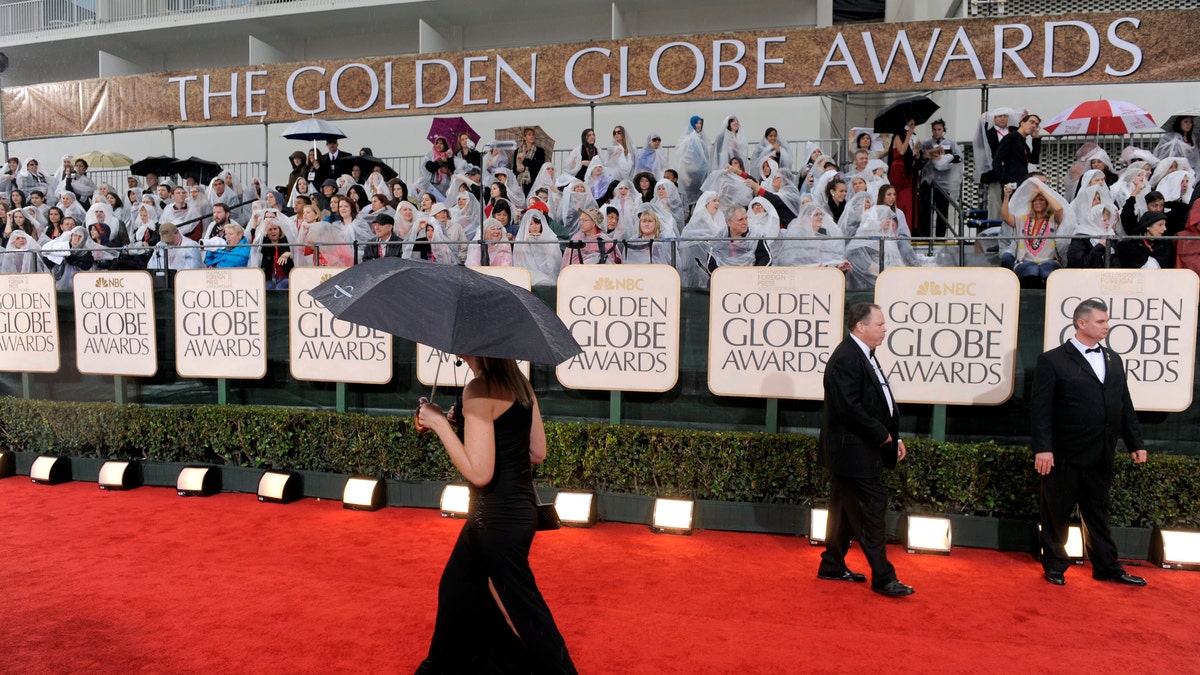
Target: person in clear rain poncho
<point>273,248</point>
<point>492,249</point>
<point>772,147</point>
<point>575,199</point>
<point>648,245</point>
<point>652,158</point>
<point>707,223</point>
<point>69,253</point>
<point>21,254</point>
<point>428,242</point>
<point>730,142</point>
<point>692,160</point>
<point>812,240</point>
<point>881,224</point>
<point>543,260</point>
<point>1099,226</point>
<point>1034,213</point>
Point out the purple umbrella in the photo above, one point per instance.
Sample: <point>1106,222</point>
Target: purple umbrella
<point>449,128</point>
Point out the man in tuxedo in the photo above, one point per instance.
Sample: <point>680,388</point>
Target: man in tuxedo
<point>1080,405</point>
<point>385,243</point>
<point>329,163</point>
<point>860,429</point>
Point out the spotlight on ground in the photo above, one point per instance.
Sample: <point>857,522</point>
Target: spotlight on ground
<point>1075,551</point>
<point>280,487</point>
<point>120,475</point>
<point>1176,549</point>
<point>818,523</point>
<point>198,481</point>
<point>928,534</point>
<point>576,509</point>
<point>50,470</point>
<point>672,516</point>
<point>363,494</point>
<point>456,500</point>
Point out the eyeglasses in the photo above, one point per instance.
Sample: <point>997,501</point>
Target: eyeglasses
<point>618,131</point>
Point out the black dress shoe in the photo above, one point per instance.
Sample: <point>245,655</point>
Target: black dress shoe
<point>1056,578</point>
<point>846,575</point>
<point>1126,579</point>
<point>893,589</point>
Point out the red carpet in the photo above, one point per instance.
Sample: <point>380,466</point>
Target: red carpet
<point>146,581</point>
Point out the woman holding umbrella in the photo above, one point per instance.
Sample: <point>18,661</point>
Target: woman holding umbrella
<point>904,170</point>
<point>528,159</point>
<point>1180,140</point>
<point>491,615</point>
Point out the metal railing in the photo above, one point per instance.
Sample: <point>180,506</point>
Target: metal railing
<point>36,16</point>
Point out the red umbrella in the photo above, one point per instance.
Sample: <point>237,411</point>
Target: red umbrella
<point>1100,117</point>
<point>449,128</point>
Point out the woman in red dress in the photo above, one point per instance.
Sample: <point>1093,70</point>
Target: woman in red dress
<point>903,172</point>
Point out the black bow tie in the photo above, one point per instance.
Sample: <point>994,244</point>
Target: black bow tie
<point>1093,349</point>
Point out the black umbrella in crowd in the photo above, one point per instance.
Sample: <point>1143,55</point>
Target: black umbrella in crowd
<point>450,308</point>
<point>895,116</point>
<point>367,163</point>
<point>159,165</point>
<point>202,170</point>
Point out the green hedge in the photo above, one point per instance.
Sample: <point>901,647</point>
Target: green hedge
<point>980,479</point>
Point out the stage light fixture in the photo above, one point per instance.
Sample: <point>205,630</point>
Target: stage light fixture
<point>1075,551</point>
<point>818,524</point>
<point>928,534</point>
<point>198,481</point>
<point>8,464</point>
<point>672,516</point>
<point>456,500</point>
<point>1176,549</point>
<point>120,475</point>
<point>50,470</point>
<point>576,509</point>
<point>280,487</point>
<point>363,493</point>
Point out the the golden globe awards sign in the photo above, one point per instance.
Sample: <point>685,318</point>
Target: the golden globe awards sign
<point>951,334</point>
<point>626,318</point>
<point>437,368</point>
<point>221,323</point>
<point>28,323</point>
<point>114,324</point>
<point>324,349</point>
<point>1152,325</point>
<point>772,329</point>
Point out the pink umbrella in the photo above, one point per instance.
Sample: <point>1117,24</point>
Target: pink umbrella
<point>449,128</point>
<point>1100,117</point>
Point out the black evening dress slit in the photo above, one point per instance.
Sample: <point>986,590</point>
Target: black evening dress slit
<point>470,634</point>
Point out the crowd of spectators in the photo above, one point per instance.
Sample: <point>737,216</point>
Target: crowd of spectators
<point>725,201</point>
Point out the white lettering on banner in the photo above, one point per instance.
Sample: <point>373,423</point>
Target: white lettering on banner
<point>220,323</point>
<point>387,90</point>
<point>1124,45</point>
<point>252,93</point>
<point>763,62</point>
<point>291,91</point>
<point>1093,48</point>
<point>324,349</point>
<point>719,64</point>
<point>437,368</point>
<point>952,334</point>
<point>114,324</point>
<point>1003,52</point>
<point>968,55</point>
<point>625,90</point>
<point>1152,326</point>
<point>451,89</point>
<point>901,41</point>
<point>29,340</point>
<point>771,330</point>
<point>209,94</point>
<point>335,95</point>
<point>527,87</point>
<point>626,318</point>
<point>569,74</point>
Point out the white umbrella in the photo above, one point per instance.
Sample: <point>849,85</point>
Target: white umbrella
<point>1169,125</point>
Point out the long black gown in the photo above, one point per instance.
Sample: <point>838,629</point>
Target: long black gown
<point>470,634</point>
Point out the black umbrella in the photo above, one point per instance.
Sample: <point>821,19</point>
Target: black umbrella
<point>159,166</point>
<point>369,163</point>
<point>450,308</point>
<point>895,116</point>
<point>202,170</point>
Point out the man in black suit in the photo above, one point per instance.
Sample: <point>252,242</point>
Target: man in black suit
<point>1081,405</point>
<point>385,243</point>
<point>1013,155</point>
<point>860,436</point>
<point>329,162</point>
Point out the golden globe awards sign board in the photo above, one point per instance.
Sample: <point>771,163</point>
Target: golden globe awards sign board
<point>114,324</point>
<point>324,349</point>
<point>951,334</point>
<point>772,329</point>
<point>1152,326</point>
<point>28,324</point>
<point>626,318</point>
<point>1078,48</point>
<point>221,323</point>
<point>436,368</point>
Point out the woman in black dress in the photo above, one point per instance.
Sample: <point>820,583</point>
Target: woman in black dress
<point>491,616</point>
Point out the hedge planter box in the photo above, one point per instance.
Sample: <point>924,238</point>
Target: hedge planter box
<point>1133,543</point>
<point>750,517</point>
<point>616,507</point>
<point>998,534</point>
<point>416,494</point>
